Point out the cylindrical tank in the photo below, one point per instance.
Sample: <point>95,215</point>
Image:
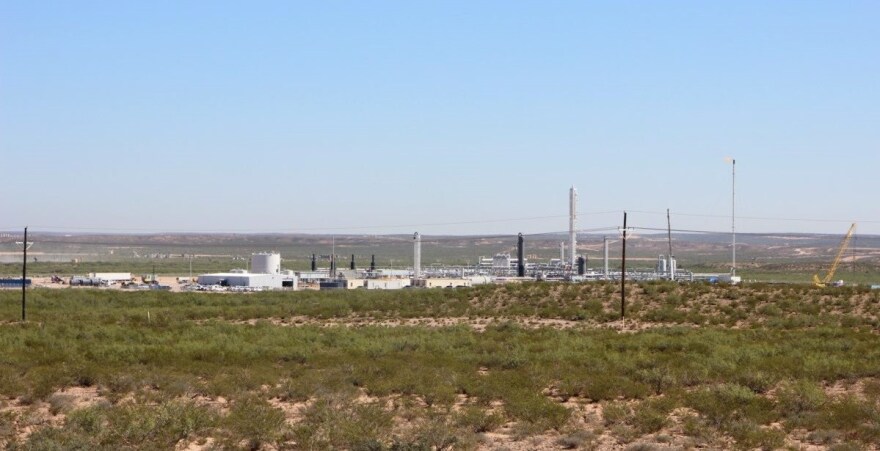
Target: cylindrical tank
<point>266,263</point>
<point>661,264</point>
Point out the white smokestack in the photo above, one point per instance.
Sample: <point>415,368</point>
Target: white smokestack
<point>572,224</point>
<point>417,255</point>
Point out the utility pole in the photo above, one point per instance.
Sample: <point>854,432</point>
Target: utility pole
<point>24,246</point>
<point>733,214</point>
<point>670,257</point>
<point>24,277</point>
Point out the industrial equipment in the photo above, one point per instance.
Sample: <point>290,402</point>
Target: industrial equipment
<point>824,282</point>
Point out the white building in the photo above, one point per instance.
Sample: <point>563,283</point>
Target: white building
<point>242,279</point>
<point>111,276</point>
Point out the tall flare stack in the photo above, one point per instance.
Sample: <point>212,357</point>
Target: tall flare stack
<point>572,224</point>
<point>417,255</point>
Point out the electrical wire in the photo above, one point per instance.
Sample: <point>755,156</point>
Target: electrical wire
<point>757,218</point>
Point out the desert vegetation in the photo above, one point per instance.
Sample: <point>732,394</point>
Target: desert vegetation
<point>526,366</point>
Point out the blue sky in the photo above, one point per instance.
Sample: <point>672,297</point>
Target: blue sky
<point>399,116</point>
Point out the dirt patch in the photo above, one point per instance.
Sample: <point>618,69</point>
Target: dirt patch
<point>27,417</point>
<point>479,324</point>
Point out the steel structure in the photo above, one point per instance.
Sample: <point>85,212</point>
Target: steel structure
<point>840,251</point>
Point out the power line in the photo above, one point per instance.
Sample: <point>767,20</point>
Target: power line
<point>309,229</point>
<point>97,230</point>
<point>757,218</point>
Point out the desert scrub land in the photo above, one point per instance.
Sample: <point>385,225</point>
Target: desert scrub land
<point>527,366</point>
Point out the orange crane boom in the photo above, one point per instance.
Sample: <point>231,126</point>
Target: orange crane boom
<point>843,245</point>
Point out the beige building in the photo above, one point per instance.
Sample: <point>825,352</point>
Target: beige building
<point>386,284</point>
<point>441,283</point>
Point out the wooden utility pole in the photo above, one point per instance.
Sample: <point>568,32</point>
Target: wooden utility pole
<point>24,246</point>
<point>669,237</point>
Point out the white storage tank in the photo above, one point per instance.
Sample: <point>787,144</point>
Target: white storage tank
<point>266,263</point>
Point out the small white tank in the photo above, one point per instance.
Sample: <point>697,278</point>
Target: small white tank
<point>266,263</point>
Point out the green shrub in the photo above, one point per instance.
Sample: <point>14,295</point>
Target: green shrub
<point>750,435</point>
<point>725,403</point>
<point>252,419</point>
<point>647,420</point>
<point>537,410</point>
<point>434,433</point>
<point>338,421</point>
<point>615,413</point>
<point>477,419</point>
<point>797,400</point>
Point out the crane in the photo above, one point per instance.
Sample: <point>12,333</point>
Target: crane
<point>843,245</point>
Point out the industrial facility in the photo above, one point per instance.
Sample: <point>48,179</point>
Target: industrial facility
<point>264,269</point>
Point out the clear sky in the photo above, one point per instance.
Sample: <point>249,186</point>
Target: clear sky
<point>444,117</point>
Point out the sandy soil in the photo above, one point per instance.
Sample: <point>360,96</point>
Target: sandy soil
<point>478,324</point>
<point>587,419</point>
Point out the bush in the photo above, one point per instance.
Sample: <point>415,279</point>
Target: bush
<point>338,421</point>
<point>254,420</point>
<point>648,420</point>
<point>478,420</point>
<point>579,439</point>
<point>723,404</point>
<point>749,435</point>
<point>60,403</point>
<point>615,413</point>
<point>796,400</point>
<point>434,433</point>
<point>537,410</point>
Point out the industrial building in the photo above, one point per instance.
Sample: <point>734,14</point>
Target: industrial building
<point>441,283</point>
<point>14,283</point>
<point>243,279</point>
<point>265,273</point>
<point>386,284</point>
<point>111,277</point>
